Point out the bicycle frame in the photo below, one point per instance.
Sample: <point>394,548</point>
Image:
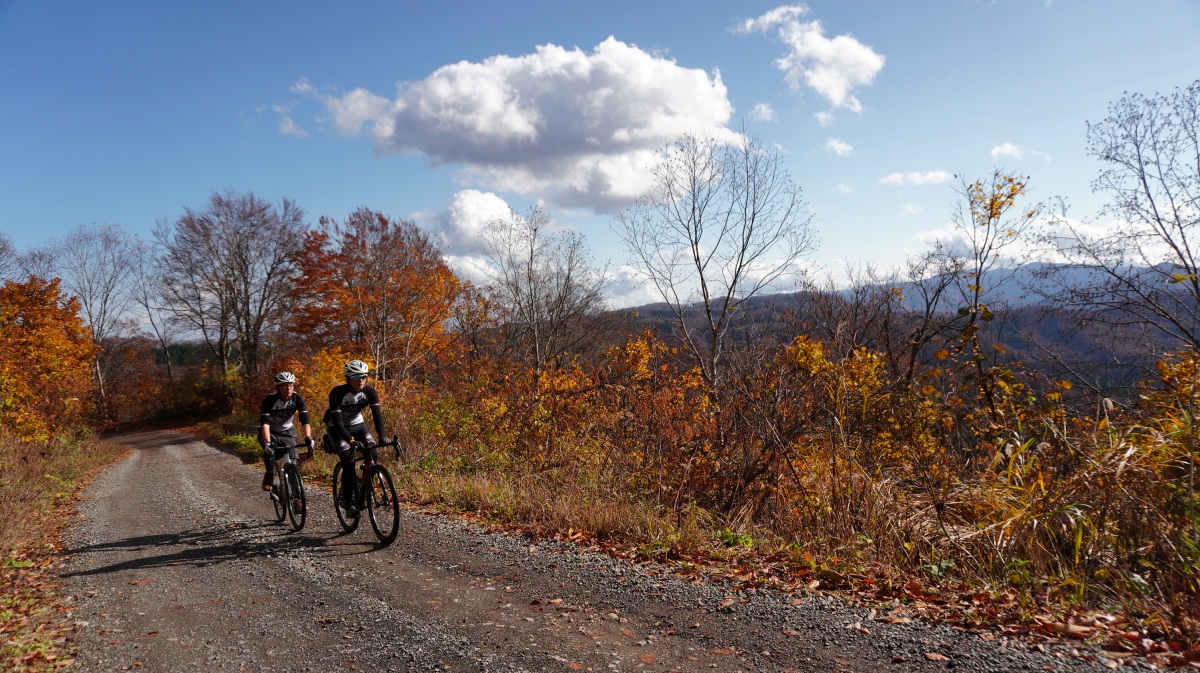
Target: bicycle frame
<point>361,471</point>
<point>283,484</point>
<point>372,492</point>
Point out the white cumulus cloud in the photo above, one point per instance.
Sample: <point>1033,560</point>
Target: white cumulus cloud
<point>911,208</point>
<point>833,67</point>
<point>763,112</point>
<point>839,147</point>
<point>1016,152</point>
<point>1006,150</point>
<point>574,127</point>
<point>917,178</point>
<point>458,230</point>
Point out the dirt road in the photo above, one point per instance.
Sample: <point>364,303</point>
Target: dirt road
<point>177,565</point>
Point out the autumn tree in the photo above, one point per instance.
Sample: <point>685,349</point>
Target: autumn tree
<point>989,223</point>
<point>720,224</point>
<point>545,286</point>
<point>376,284</point>
<point>96,265</point>
<point>228,273</point>
<point>1142,269</point>
<point>46,356</point>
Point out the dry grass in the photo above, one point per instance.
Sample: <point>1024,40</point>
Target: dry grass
<point>34,478</point>
<point>546,509</point>
<point>38,486</point>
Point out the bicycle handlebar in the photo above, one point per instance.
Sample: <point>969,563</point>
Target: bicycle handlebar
<point>395,442</point>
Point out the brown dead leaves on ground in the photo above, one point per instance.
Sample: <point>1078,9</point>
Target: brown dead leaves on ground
<point>35,624</point>
<point>34,616</point>
<point>1002,616</point>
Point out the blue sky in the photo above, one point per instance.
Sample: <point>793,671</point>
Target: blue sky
<point>129,111</point>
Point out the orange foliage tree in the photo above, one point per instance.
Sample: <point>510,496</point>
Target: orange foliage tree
<point>376,286</point>
<point>46,354</point>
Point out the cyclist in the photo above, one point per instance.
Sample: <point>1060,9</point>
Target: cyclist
<point>278,432</point>
<point>347,427</point>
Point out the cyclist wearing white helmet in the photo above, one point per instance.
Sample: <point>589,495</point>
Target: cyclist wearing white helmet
<point>347,424</point>
<point>277,430</point>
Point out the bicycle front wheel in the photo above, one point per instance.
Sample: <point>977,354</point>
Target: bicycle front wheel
<point>297,502</point>
<point>382,505</point>
<point>278,495</point>
<point>349,523</point>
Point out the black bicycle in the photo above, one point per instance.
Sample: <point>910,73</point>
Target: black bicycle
<point>373,492</point>
<point>287,487</point>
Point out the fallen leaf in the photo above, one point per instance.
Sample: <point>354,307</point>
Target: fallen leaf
<point>1069,630</point>
<point>936,656</point>
<point>791,632</point>
<point>646,658</point>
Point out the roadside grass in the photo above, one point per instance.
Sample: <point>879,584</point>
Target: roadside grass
<point>697,546</point>
<point>39,487</point>
<point>799,557</point>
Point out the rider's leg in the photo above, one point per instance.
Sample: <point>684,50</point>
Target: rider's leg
<point>346,457</point>
<point>268,465</point>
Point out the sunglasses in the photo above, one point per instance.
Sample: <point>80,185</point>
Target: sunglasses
<point>358,377</point>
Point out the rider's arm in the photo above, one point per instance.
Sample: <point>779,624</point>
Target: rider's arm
<point>376,411</point>
<point>265,419</point>
<point>305,421</point>
<point>335,416</point>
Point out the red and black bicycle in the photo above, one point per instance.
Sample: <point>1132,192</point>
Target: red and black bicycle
<point>373,492</point>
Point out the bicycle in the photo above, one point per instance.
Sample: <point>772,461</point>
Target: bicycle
<point>373,492</point>
<point>287,487</point>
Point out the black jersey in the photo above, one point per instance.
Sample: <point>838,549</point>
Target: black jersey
<point>278,412</point>
<point>346,409</point>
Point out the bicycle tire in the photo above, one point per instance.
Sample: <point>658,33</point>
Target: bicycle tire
<point>383,508</point>
<point>297,502</point>
<point>349,523</point>
<point>278,495</point>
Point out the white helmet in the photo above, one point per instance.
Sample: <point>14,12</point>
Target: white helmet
<point>355,368</point>
<point>284,377</point>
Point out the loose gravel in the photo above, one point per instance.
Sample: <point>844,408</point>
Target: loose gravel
<point>177,563</point>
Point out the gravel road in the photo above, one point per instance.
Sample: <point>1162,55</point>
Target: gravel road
<point>177,565</point>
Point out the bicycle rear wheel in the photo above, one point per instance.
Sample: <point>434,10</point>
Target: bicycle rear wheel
<point>382,505</point>
<point>297,502</point>
<point>349,523</point>
<point>278,494</point>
